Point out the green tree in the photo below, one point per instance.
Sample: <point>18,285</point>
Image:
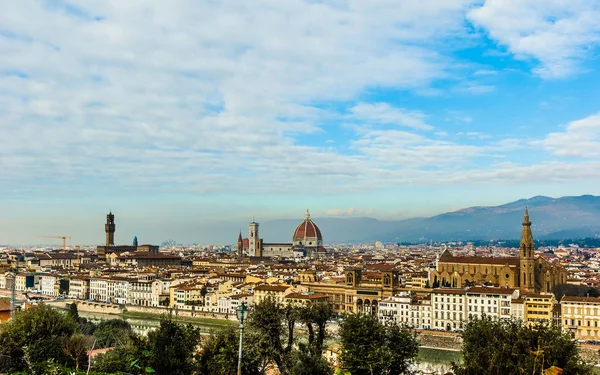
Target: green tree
<point>113,332</point>
<point>172,347</point>
<point>220,353</point>
<point>76,347</point>
<point>510,347</point>
<point>305,362</point>
<point>315,316</point>
<point>73,312</point>
<point>267,319</point>
<point>132,357</point>
<point>371,347</point>
<point>34,336</point>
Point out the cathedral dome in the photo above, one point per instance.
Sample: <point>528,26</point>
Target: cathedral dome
<point>307,233</point>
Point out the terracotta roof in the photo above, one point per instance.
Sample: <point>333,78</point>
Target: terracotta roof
<point>4,304</point>
<point>306,296</point>
<point>449,291</point>
<point>307,230</point>
<point>482,260</point>
<point>486,290</point>
<point>580,299</point>
<point>272,288</point>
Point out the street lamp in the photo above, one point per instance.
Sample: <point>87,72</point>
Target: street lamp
<point>241,312</point>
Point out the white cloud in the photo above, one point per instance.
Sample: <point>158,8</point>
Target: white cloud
<point>557,33</point>
<point>217,97</point>
<point>203,96</point>
<point>383,113</point>
<point>581,138</point>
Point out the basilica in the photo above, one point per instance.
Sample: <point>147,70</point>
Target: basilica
<point>525,272</point>
<point>307,242</point>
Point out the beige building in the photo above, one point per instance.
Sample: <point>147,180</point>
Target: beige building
<point>356,291</point>
<point>539,308</point>
<point>278,292</point>
<point>581,317</point>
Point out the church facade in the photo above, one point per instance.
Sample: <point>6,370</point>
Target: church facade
<point>307,242</point>
<point>525,272</point>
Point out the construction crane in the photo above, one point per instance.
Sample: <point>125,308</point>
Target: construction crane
<point>64,238</point>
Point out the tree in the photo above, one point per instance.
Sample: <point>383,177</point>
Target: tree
<point>510,347</point>
<point>76,347</point>
<point>73,312</point>
<point>315,316</point>
<point>172,347</point>
<point>36,335</point>
<point>220,351</point>
<point>131,357</point>
<point>371,347</point>
<point>113,332</point>
<point>305,362</point>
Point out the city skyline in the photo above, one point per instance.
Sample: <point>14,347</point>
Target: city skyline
<point>180,115</point>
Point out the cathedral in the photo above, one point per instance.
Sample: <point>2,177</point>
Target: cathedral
<point>524,272</point>
<point>307,242</point>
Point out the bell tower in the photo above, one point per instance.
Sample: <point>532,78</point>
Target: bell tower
<point>109,228</point>
<point>526,256</point>
<point>240,246</point>
<point>254,239</point>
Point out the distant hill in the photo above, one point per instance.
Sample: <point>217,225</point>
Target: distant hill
<point>552,218</point>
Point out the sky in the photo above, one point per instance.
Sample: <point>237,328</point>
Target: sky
<point>189,118</point>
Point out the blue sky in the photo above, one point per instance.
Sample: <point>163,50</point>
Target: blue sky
<point>182,114</point>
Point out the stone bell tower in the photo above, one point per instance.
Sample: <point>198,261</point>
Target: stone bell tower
<point>526,257</point>
<point>109,228</point>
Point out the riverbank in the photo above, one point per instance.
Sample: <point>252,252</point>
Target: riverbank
<point>203,321</point>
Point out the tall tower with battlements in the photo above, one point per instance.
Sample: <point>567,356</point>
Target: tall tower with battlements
<point>526,257</point>
<point>109,228</point>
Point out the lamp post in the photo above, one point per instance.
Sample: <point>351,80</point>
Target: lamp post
<point>241,315</point>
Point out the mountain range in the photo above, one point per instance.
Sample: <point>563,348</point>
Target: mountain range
<point>552,218</point>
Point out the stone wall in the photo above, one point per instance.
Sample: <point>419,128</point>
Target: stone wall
<point>183,312</point>
<point>439,341</point>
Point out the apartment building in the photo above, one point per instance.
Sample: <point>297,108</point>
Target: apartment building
<point>79,287</point>
<point>539,308</point>
<point>581,317</point>
<point>406,310</point>
<point>99,289</point>
<point>278,292</point>
<point>140,293</point>
<point>47,284</point>
<point>492,302</point>
<point>448,307</point>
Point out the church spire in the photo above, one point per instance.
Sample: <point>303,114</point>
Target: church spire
<point>307,216</point>
<point>527,243</point>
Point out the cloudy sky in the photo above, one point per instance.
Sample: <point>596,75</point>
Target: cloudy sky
<point>180,114</point>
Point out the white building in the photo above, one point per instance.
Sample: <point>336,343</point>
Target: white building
<point>160,291</point>
<point>47,283</point>
<point>140,293</point>
<point>118,290</point>
<point>448,307</point>
<point>492,302</point>
<point>517,309</point>
<point>99,289</point>
<point>406,310</point>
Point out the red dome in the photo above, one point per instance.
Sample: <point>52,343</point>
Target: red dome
<point>307,230</point>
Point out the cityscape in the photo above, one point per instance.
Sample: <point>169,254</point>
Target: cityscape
<point>300,187</point>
